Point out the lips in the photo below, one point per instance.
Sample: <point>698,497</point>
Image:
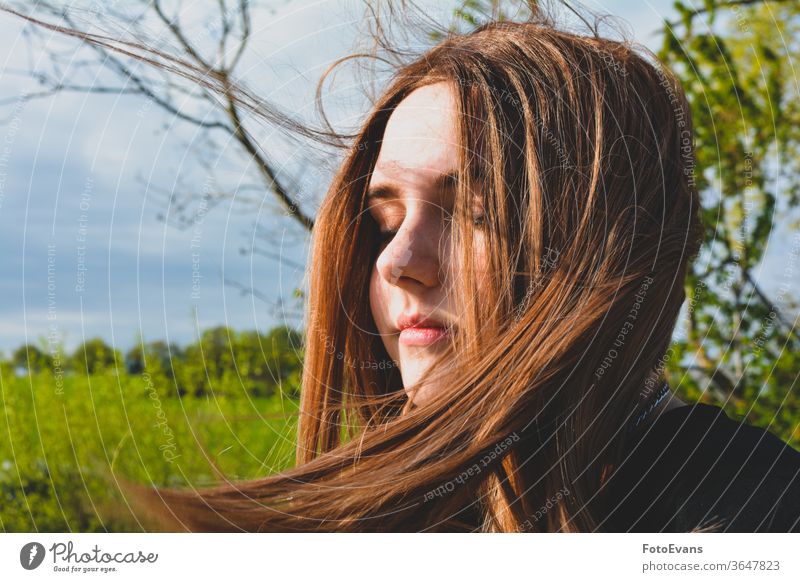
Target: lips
<point>418,330</point>
<point>422,336</point>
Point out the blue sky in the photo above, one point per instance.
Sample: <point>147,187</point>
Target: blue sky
<point>79,195</point>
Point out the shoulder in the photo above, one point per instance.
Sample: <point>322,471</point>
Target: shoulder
<point>695,467</point>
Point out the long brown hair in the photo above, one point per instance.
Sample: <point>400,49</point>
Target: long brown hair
<point>582,149</point>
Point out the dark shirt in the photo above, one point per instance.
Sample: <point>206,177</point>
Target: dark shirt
<point>693,466</point>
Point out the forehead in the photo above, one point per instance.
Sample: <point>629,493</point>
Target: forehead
<point>420,138</point>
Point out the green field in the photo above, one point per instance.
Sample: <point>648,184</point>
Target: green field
<point>63,435</point>
<point>60,438</point>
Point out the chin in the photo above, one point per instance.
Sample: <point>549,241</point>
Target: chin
<point>420,396</point>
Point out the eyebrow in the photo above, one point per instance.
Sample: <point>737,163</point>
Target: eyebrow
<point>388,190</point>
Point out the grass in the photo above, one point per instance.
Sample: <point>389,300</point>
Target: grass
<point>58,441</point>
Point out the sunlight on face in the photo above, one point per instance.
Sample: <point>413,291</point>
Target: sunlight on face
<point>411,195</point>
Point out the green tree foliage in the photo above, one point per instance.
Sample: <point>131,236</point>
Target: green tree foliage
<point>740,345</point>
<point>30,358</point>
<point>155,357</point>
<point>94,356</point>
<point>158,360</point>
<point>259,364</point>
<point>222,362</point>
<point>209,363</point>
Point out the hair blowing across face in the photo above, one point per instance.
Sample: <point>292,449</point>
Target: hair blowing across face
<point>582,149</point>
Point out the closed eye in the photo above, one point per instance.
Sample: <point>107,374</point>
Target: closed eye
<point>386,235</point>
<point>478,219</point>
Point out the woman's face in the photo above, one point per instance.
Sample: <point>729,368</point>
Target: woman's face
<point>410,196</point>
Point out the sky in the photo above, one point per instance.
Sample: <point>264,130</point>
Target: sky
<point>84,252</point>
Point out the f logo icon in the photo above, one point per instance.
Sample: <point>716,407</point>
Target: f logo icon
<point>31,555</point>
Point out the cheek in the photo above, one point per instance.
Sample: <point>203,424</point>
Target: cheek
<point>379,302</point>
<point>379,295</point>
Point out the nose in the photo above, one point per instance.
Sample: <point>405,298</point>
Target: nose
<point>412,257</point>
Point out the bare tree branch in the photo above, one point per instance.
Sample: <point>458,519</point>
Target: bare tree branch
<point>276,257</point>
<point>278,307</point>
<point>162,93</point>
<point>244,15</point>
<point>265,168</point>
<point>174,28</point>
<point>69,88</point>
<point>223,37</point>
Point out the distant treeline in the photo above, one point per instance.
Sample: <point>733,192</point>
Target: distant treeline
<point>221,361</point>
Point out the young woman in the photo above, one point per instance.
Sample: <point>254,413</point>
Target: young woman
<point>497,270</point>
